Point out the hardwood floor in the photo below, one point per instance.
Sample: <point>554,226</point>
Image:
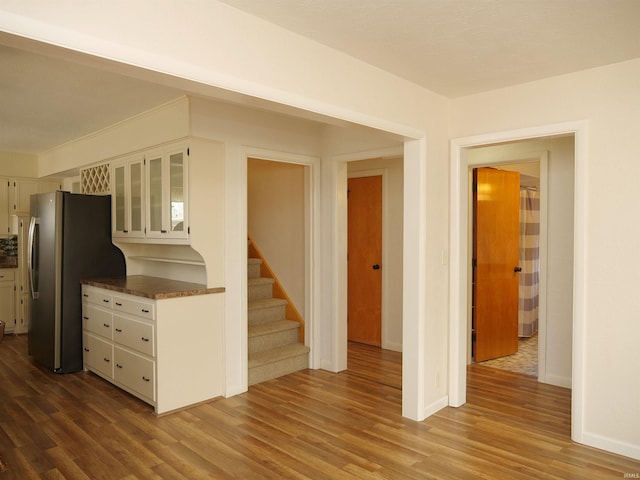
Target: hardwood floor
<point>308,425</point>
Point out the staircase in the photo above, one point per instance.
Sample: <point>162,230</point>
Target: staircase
<point>275,348</point>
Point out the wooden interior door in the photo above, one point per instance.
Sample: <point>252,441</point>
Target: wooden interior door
<point>364,283</point>
<point>496,229</point>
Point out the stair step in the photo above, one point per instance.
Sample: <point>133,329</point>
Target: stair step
<point>266,310</point>
<point>272,335</point>
<point>253,267</point>
<point>272,327</point>
<point>260,288</point>
<point>277,362</point>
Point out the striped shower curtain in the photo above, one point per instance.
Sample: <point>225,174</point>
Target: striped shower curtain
<point>529,262</point>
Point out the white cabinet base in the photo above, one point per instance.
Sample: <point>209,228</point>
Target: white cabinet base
<point>167,352</point>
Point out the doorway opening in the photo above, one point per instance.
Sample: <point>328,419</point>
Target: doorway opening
<point>278,283</point>
<point>374,269</point>
<point>561,296</point>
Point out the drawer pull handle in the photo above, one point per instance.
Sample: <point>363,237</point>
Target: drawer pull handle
<point>146,379</point>
<point>145,311</point>
<point>119,330</point>
<point>118,365</point>
<point>86,349</point>
<point>105,300</point>
<point>106,359</point>
<point>85,317</point>
<point>144,339</point>
<point>106,325</point>
<point>118,304</point>
<point>85,295</point>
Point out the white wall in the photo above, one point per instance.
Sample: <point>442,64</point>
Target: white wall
<point>608,100</point>
<point>557,331</point>
<point>276,221</point>
<point>392,194</point>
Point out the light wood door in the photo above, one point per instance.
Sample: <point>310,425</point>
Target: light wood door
<point>496,244</point>
<point>365,260</point>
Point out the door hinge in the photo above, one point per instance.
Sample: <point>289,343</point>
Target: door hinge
<point>188,151</point>
<point>474,262</point>
<point>188,230</point>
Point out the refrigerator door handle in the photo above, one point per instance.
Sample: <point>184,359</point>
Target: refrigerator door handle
<point>30,256</point>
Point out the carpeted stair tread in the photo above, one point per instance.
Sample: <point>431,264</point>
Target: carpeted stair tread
<point>260,281</point>
<point>277,354</point>
<point>266,303</point>
<point>272,327</point>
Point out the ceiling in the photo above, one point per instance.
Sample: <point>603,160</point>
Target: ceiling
<point>452,47</point>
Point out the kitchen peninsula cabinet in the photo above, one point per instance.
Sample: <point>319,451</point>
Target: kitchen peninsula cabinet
<point>160,340</point>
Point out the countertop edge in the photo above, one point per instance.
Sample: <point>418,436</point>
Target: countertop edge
<point>152,293</point>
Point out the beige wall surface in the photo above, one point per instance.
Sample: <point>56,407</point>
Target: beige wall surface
<point>608,99</point>
<point>18,165</point>
<point>276,221</point>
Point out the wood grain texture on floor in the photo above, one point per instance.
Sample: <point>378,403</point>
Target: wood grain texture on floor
<point>310,425</point>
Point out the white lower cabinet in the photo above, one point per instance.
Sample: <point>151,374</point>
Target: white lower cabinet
<point>127,337</point>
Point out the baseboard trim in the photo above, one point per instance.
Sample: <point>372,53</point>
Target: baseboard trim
<point>436,406</point>
<point>612,445</point>
<point>556,380</point>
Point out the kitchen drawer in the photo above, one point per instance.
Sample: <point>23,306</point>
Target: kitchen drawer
<point>97,320</point>
<point>7,274</point>
<point>96,296</point>
<point>134,334</point>
<point>133,307</point>
<point>97,355</point>
<point>135,372</point>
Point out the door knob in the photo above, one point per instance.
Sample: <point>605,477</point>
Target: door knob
<point>517,269</point>
<point>376,267</point>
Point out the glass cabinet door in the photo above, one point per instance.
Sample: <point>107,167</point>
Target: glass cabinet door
<point>136,192</point>
<point>155,195</point>
<point>119,199</point>
<point>176,191</point>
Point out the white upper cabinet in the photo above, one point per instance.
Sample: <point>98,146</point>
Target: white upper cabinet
<point>167,206</point>
<point>127,198</point>
<point>150,198</point>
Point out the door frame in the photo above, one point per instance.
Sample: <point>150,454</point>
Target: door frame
<point>312,248</point>
<point>458,279</point>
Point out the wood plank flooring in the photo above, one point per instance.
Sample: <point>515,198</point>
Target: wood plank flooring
<point>308,425</point>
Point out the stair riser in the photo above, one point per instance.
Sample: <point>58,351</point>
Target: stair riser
<point>265,315</point>
<point>263,343</point>
<point>277,369</point>
<point>259,292</point>
<point>253,270</point>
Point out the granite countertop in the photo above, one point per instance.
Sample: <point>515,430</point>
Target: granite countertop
<point>151,287</point>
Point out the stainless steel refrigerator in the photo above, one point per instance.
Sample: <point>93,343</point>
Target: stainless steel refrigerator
<point>69,240</point>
